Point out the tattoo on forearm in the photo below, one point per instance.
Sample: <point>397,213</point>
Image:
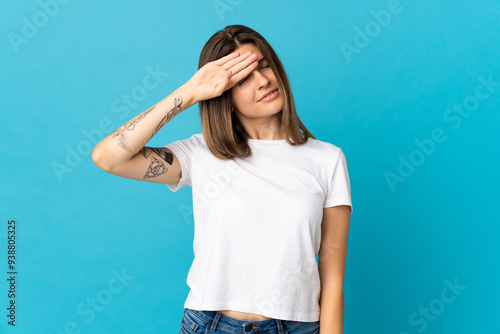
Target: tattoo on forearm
<point>177,109</point>
<point>156,168</point>
<point>163,153</point>
<point>122,139</point>
<point>129,126</point>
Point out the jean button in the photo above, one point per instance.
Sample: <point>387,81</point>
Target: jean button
<point>248,328</point>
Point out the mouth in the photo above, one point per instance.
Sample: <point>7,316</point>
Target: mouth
<point>270,95</point>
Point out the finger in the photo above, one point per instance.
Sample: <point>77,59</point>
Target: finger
<point>237,60</point>
<point>237,67</point>
<point>237,77</point>
<point>224,59</point>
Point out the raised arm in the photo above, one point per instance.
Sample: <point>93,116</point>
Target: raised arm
<point>124,153</point>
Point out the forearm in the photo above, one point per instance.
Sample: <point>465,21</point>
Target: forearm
<point>332,311</point>
<point>128,139</point>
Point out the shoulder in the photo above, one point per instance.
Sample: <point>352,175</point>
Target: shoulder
<point>198,138</point>
<point>324,148</point>
<point>195,140</point>
<point>187,146</point>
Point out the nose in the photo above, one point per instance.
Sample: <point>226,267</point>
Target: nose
<point>261,80</point>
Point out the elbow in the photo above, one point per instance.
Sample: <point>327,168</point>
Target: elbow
<point>98,157</point>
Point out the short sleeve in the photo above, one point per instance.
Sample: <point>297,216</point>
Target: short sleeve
<point>339,189</point>
<point>183,150</point>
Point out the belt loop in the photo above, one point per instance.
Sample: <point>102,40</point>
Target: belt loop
<point>280,326</point>
<point>214,323</point>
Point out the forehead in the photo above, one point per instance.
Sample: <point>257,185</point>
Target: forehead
<point>250,47</point>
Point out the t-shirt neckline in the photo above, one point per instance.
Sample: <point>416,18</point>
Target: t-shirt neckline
<point>265,142</point>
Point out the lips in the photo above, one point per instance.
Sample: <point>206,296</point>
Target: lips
<point>268,93</point>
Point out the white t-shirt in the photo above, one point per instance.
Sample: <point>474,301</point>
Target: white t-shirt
<point>258,224</point>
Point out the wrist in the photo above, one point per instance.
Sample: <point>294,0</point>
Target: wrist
<point>188,96</point>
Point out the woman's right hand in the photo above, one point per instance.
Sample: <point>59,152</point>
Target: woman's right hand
<point>217,76</point>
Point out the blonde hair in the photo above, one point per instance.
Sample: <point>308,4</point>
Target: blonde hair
<point>222,131</point>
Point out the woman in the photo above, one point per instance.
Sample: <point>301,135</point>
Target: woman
<point>267,195</point>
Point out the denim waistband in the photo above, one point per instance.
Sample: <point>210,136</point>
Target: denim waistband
<point>215,319</point>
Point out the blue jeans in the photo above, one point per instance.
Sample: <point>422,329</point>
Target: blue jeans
<point>208,322</point>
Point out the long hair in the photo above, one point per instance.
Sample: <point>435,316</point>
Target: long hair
<point>222,131</point>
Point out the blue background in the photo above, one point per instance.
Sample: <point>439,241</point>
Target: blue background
<point>62,83</point>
